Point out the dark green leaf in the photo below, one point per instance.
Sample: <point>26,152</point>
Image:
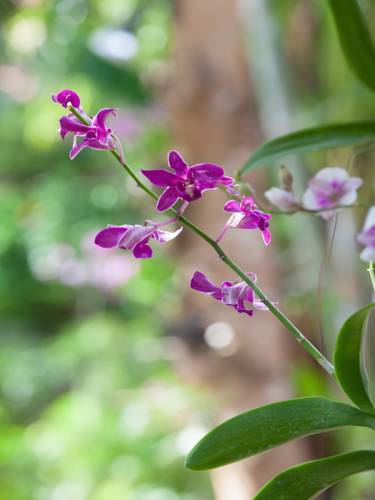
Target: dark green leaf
<point>269,426</point>
<point>311,478</point>
<point>311,139</point>
<point>355,39</point>
<point>348,359</point>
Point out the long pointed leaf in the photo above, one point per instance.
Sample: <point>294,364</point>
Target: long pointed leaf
<point>355,39</point>
<point>268,426</point>
<point>348,358</point>
<point>311,139</point>
<point>304,481</point>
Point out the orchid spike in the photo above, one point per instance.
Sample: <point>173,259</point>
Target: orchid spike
<point>367,237</point>
<point>330,188</point>
<point>237,295</point>
<point>185,183</point>
<point>135,238</point>
<point>247,216</point>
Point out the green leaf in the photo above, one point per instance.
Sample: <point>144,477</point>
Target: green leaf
<point>348,358</point>
<point>311,478</point>
<point>311,139</point>
<point>268,426</point>
<point>355,39</point>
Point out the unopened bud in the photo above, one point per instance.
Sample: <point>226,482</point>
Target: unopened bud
<point>286,178</point>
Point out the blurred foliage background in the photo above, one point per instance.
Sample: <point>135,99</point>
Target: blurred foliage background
<point>90,406</point>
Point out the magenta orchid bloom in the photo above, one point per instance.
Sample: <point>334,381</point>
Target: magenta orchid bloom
<point>331,187</point>
<point>135,238</point>
<point>237,295</point>
<point>67,97</point>
<point>247,216</point>
<point>94,136</point>
<point>367,237</point>
<point>185,183</point>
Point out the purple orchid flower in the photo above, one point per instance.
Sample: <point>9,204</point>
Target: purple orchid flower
<point>237,295</point>
<point>247,216</point>
<point>66,97</point>
<point>96,135</point>
<point>367,237</point>
<point>135,238</point>
<point>331,187</point>
<point>186,183</point>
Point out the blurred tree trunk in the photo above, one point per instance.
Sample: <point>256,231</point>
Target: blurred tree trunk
<point>213,118</point>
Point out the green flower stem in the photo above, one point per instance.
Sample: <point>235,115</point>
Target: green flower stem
<point>371,270</point>
<point>297,334</point>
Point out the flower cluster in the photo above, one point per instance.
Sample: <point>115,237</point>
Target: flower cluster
<point>181,182</point>
<point>330,189</point>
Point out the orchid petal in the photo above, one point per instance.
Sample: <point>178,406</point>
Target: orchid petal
<point>368,254</point>
<point>354,183</point>
<point>161,178</point>
<point>110,236</point>
<point>78,148</point>
<point>209,170</point>
<point>367,237</point>
<point>370,219</point>
<point>248,204</point>
<point>167,199</point>
<point>262,215</point>
<point>68,124</point>
<point>201,283</point>
<point>96,144</point>
<point>165,236</point>
<point>232,206</point>
<point>248,296</point>
<point>266,235</point>
<point>142,251</point>
<point>258,304</point>
<point>231,294</point>
<point>226,180</point>
<point>248,222</point>
<point>281,198</point>
<point>135,235</point>
<point>349,198</point>
<point>101,116</point>
<point>311,202</point>
<point>332,174</point>
<point>177,163</point>
<point>205,175</point>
